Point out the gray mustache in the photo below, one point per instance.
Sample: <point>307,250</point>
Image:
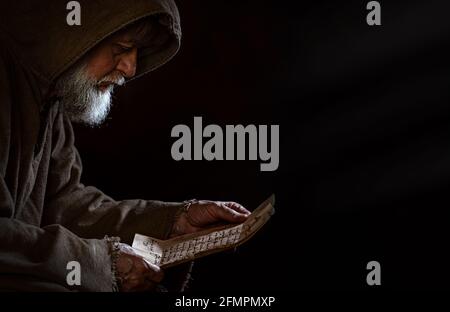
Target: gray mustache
<point>120,81</point>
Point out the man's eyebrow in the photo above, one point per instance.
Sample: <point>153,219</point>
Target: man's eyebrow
<point>126,43</point>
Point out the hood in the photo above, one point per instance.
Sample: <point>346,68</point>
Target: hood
<point>37,33</point>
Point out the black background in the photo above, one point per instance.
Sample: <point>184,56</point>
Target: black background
<point>364,148</point>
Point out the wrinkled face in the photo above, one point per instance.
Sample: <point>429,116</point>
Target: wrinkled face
<point>116,57</point>
<point>86,89</point>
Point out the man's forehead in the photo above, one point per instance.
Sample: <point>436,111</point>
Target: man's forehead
<point>137,33</point>
<point>126,36</point>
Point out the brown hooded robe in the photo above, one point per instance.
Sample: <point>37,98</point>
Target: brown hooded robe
<point>47,217</point>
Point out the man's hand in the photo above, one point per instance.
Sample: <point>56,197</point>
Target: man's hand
<point>203,213</point>
<point>135,273</point>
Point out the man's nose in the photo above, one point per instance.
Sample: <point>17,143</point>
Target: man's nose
<point>127,63</point>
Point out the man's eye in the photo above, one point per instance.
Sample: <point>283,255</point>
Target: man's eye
<point>119,49</point>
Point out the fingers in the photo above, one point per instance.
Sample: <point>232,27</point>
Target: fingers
<point>237,207</point>
<point>231,214</point>
<point>154,273</point>
<point>206,213</point>
<point>148,270</point>
<point>144,276</point>
<point>138,283</point>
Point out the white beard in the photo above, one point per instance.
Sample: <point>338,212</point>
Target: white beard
<point>81,99</point>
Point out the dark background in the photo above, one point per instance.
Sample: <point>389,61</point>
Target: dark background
<point>364,149</point>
